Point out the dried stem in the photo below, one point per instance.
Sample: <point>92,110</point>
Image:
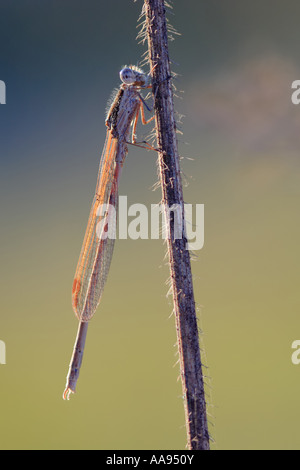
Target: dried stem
<point>179,257</point>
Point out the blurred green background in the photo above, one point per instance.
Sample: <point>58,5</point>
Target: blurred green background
<point>236,61</point>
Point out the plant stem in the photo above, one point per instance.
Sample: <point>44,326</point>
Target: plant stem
<point>179,257</point>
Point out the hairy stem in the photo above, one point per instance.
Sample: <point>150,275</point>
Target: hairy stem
<point>179,257</point>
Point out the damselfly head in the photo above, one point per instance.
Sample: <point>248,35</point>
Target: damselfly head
<point>133,76</point>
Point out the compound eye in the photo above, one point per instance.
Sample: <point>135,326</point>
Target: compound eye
<point>127,76</point>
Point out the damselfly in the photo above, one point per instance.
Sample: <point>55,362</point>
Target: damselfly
<point>96,253</point>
